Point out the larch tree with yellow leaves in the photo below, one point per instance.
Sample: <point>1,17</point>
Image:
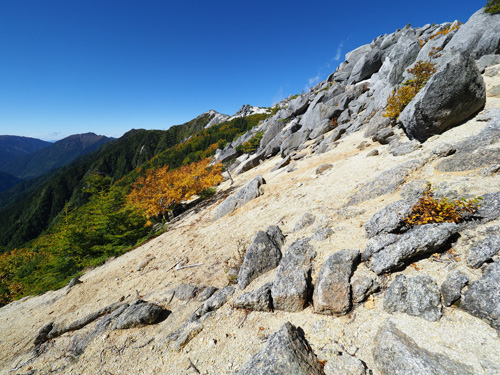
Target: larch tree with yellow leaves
<point>159,190</point>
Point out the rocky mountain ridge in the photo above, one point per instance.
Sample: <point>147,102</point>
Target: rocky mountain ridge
<point>310,229</point>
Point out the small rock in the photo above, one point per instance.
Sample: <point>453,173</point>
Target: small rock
<point>144,263</point>
<point>306,220</point>
<point>383,135</point>
<point>343,365</point>
<point>286,352</point>
<point>185,292</point>
<point>389,219</point>
<point>215,302</point>
<point>362,287</point>
<point>322,168</point>
<point>373,152</point>
<point>418,296</point>
<point>483,252</point>
<point>452,287</point>
<point>138,314</point>
<point>206,293</point>
<point>385,183</point>
<point>282,163</point>
<point>332,292</point>
<point>258,300</point>
<point>299,156</point>
<point>444,150</point>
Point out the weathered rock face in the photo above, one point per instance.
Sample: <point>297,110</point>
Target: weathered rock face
<point>263,255</point>
<point>286,352</point>
<point>479,36</point>
<point>482,299</point>
<point>390,252</point>
<point>244,195</point>
<point>332,292</point>
<point>292,285</point>
<point>476,151</point>
<point>417,296</point>
<point>453,94</point>
<point>385,183</point>
<point>397,354</point>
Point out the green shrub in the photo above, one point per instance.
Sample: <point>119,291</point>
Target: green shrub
<point>492,6</point>
<point>250,145</point>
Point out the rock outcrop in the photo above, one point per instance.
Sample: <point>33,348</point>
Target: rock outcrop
<point>453,94</point>
<point>286,352</point>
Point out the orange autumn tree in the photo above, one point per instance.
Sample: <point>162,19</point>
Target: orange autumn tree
<point>161,189</point>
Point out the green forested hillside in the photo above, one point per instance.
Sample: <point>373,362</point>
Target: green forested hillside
<point>77,216</point>
<point>34,205</point>
<point>8,181</point>
<point>12,147</point>
<point>54,156</point>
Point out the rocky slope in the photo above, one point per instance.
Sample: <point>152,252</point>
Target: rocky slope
<point>325,280</point>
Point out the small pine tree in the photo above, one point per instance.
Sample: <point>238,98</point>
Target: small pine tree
<point>492,6</point>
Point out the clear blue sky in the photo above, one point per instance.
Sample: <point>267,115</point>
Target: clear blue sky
<point>107,66</point>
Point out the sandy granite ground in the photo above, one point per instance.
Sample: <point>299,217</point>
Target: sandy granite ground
<point>231,337</point>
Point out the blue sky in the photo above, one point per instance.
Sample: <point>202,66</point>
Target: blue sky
<point>107,66</point>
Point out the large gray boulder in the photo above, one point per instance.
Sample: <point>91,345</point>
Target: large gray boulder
<point>397,354</point>
<point>263,255</point>
<point>292,284</point>
<point>453,94</point>
<point>367,65</point>
<point>421,240</point>
<point>482,299</point>
<point>293,142</point>
<point>244,195</point>
<point>332,292</point>
<point>286,352</point>
<point>479,36</point>
<point>298,105</point>
<point>418,296</point>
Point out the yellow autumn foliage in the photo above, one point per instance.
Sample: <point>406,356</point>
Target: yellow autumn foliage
<point>160,189</point>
